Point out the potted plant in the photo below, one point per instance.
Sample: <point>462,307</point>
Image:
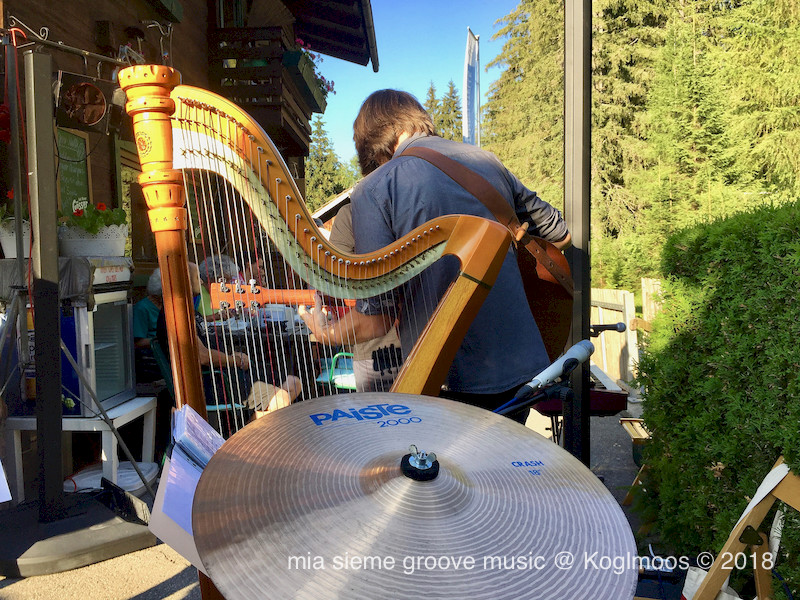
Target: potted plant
<point>8,230</point>
<point>303,67</point>
<point>93,231</point>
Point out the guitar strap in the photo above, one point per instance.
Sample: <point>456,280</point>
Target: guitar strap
<point>484,191</point>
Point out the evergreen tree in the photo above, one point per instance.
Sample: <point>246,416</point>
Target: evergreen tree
<point>762,47</point>
<point>450,111</point>
<point>627,37</point>
<point>351,172</point>
<point>695,113</point>
<point>325,174</point>
<point>523,115</point>
<point>433,106</point>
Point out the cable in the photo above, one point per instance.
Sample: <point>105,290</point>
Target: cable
<point>783,583</point>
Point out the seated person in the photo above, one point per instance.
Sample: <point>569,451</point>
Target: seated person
<point>145,317</point>
<point>237,365</point>
<point>254,271</point>
<point>376,362</point>
<point>210,270</point>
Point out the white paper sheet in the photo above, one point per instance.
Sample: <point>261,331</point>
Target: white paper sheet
<point>168,530</point>
<point>181,482</point>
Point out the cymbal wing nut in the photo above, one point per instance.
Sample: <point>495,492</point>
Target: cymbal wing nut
<point>419,465</point>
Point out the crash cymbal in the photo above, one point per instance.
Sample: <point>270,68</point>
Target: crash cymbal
<point>311,502</point>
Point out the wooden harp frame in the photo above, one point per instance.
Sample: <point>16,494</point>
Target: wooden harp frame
<point>177,126</point>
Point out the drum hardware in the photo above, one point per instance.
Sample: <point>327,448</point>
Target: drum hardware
<point>419,465</point>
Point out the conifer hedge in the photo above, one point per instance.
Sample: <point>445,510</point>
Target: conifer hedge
<point>721,372</point>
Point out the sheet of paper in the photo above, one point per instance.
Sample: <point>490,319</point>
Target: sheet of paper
<point>168,531</point>
<point>195,436</point>
<point>181,482</point>
<point>5,493</point>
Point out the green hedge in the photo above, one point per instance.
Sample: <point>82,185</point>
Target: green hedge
<point>721,370</point>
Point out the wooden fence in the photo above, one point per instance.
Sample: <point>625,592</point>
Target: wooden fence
<point>615,353</point>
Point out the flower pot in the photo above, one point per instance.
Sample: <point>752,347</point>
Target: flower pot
<point>8,238</point>
<point>301,70</point>
<point>109,241</point>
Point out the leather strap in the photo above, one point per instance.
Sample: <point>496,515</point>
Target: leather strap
<point>471,181</point>
<point>484,191</point>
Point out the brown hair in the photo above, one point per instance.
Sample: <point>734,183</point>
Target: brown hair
<point>384,115</point>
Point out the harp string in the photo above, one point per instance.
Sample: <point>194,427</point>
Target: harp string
<point>248,244</point>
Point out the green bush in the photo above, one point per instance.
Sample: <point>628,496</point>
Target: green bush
<point>720,370</point>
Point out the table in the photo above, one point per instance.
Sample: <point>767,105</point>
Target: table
<point>119,415</point>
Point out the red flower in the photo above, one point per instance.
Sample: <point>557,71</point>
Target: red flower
<point>101,206</point>
<point>10,194</point>
<point>78,213</point>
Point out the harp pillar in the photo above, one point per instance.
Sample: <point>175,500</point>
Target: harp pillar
<point>149,103</point>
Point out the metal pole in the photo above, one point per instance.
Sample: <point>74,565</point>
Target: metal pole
<point>44,214</point>
<point>37,39</point>
<point>577,207</point>
<point>14,151</point>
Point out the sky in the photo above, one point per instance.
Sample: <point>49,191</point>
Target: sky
<point>419,42</point>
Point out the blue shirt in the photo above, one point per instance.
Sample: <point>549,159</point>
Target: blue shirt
<point>503,348</point>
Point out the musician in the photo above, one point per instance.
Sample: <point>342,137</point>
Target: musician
<point>376,362</point>
<point>210,270</point>
<point>265,398</point>
<point>503,348</point>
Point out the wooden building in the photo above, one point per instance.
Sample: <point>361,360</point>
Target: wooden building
<point>246,50</point>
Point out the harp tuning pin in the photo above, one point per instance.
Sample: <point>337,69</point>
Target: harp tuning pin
<point>253,288</point>
<point>223,286</point>
<point>239,288</point>
<point>224,305</point>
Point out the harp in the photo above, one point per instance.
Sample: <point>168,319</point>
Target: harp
<point>190,139</point>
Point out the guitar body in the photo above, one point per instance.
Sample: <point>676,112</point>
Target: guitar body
<point>550,301</point>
